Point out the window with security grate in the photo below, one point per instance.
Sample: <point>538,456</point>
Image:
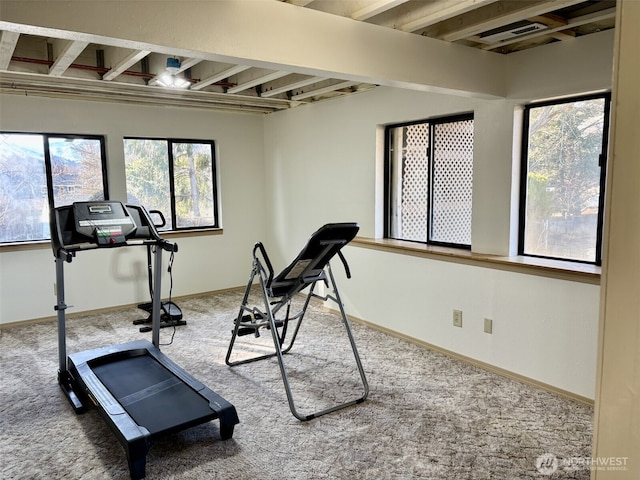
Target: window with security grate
<point>429,180</point>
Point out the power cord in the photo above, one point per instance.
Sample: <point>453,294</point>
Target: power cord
<point>170,270</point>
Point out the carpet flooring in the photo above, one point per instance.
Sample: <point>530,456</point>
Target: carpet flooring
<point>427,416</point>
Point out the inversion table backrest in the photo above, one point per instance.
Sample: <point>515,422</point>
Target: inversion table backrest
<point>308,266</point>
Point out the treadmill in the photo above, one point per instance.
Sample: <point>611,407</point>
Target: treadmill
<point>139,392</point>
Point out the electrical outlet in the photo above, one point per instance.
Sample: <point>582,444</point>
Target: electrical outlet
<point>488,325</point>
<point>457,318</point>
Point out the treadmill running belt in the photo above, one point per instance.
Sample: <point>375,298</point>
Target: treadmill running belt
<point>153,396</point>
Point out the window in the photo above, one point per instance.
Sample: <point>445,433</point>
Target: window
<point>41,171</point>
<point>429,179</point>
<point>176,177</point>
<point>563,175</point>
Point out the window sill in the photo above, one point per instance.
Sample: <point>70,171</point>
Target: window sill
<point>46,244</point>
<point>564,270</point>
<point>195,232</point>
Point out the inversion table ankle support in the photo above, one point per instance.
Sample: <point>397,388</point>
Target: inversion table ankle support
<point>309,267</point>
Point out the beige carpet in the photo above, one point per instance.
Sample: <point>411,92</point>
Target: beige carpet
<point>427,416</point>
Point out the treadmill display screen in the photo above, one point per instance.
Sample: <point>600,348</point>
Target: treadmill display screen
<point>99,208</point>
<point>106,223</point>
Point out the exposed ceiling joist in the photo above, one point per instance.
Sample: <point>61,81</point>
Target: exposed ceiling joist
<point>70,52</point>
<point>292,86</point>
<point>35,40</point>
<point>506,13</point>
<point>563,35</point>
<point>127,62</point>
<point>188,63</point>
<point>20,83</point>
<point>257,81</point>
<point>219,76</point>
<point>8,42</point>
<point>299,3</point>
<point>574,22</point>
<point>439,12</point>
<point>375,9</point>
<point>184,65</point>
<point>324,90</point>
<point>550,20</point>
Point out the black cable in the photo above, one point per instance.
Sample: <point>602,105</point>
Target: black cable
<point>170,270</point>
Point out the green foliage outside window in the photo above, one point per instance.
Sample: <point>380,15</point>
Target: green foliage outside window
<point>563,176</point>
<point>38,171</point>
<point>175,177</point>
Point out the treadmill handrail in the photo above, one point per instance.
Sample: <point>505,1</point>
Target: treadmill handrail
<point>67,252</point>
<point>145,233</point>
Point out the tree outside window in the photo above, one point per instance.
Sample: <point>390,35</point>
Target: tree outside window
<point>42,171</point>
<point>176,177</point>
<point>563,178</point>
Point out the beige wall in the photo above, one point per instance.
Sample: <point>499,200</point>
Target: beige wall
<point>203,263</point>
<point>617,423</point>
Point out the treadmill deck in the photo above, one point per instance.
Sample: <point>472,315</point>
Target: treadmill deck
<point>141,394</point>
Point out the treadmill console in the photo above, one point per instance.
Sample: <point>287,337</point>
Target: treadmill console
<point>106,223</point>
<point>98,224</point>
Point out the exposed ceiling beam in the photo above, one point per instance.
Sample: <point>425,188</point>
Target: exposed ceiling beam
<point>65,87</point>
<point>257,81</point>
<point>563,35</point>
<point>440,11</point>
<point>292,86</point>
<point>128,61</point>
<point>229,31</point>
<point>70,52</point>
<point>219,76</point>
<point>298,3</point>
<point>506,14</point>
<point>322,91</point>
<point>574,22</point>
<point>549,19</point>
<point>554,21</point>
<point>8,42</point>
<point>375,9</point>
<point>188,63</point>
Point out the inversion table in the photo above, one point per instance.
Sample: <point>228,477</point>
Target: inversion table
<point>309,267</point>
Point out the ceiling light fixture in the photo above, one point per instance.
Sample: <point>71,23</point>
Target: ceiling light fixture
<point>170,78</point>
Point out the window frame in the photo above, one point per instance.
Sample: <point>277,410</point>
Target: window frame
<point>602,163</point>
<point>73,136</point>
<point>170,159</point>
<point>433,123</point>
<point>49,171</point>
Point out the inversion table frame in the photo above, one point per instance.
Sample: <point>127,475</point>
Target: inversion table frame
<point>309,267</point>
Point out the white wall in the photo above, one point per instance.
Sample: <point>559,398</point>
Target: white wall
<point>583,64</point>
<point>101,279</point>
<point>316,164</point>
<point>617,409</point>
<point>543,328</point>
<point>321,161</point>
